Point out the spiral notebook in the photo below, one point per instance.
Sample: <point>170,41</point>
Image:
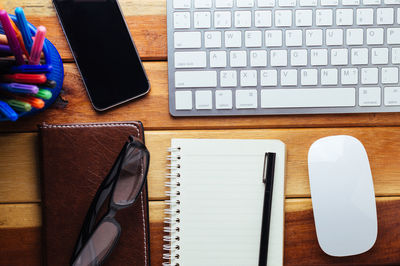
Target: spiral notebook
<point>216,195</point>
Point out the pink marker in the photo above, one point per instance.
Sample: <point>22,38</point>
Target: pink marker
<point>11,37</point>
<point>37,46</point>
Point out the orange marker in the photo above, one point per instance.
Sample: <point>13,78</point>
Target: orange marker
<point>34,102</point>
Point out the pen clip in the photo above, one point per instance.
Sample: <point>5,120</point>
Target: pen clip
<point>269,161</point>
<point>264,176</point>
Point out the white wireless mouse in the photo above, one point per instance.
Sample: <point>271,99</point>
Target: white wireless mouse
<point>343,197</point>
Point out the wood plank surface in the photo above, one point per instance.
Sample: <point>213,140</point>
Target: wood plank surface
<point>153,111</point>
<point>19,180</point>
<point>21,245</point>
<point>146,21</point>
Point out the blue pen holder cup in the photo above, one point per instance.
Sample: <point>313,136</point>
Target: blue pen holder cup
<point>51,57</point>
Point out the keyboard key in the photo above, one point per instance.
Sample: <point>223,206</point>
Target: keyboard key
<point>218,59</point>
<point>374,36</point>
<point>339,57</point>
<point>369,96</point>
<point>245,3</point>
<point>190,59</point>
<point>183,100</point>
<point>390,75</point>
<point>344,17</point>
<point>392,96</point>
<point>369,75</point>
<point>315,97</point>
<point>187,39</point>
<point>269,77</point>
<point>202,20</point>
<point>212,39</point>
<point>384,16</point>
<point>182,20</point>
<point>365,16</point>
<point>308,2</point>
<point>379,56</point>
<point>294,38</point>
<point>371,2</point>
<point>304,18</point>
<point>278,58</point>
<point>309,77</point>
<point>319,57</point>
<point>396,55</point>
<point>354,36</point>
<point>393,35</point>
<point>298,57</point>
<point>233,39</point>
<point>329,2</point>
<point>222,19</point>
<point>223,99</point>
<point>392,2</point>
<point>228,78</point>
<point>324,17</point>
<point>238,58</point>
<point>283,18</point>
<point>314,37</point>
<point>329,76</point>
<point>359,56</point>
<point>242,19</point>
<point>246,99</point>
<point>202,3</point>
<point>248,78</point>
<point>181,3</point>
<point>262,18</point>
<point>349,76</point>
<point>334,37</point>
<point>258,58</point>
<point>223,3</point>
<point>266,3</point>
<point>200,79</point>
<point>253,38</point>
<point>288,77</point>
<point>203,100</point>
<point>350,2</point>
<point>287,3</point>
<point>273,38</point>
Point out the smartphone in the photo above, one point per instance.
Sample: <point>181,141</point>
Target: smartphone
<point>103,50</point>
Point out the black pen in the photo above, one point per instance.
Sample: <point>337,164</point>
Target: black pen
<point>268,180</point>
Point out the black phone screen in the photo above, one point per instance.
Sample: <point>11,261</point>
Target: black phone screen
<point>104,51</point>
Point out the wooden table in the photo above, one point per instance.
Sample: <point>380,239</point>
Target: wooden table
<point>20,218</point>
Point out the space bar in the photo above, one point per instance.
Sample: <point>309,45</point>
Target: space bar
<point>313,97</point>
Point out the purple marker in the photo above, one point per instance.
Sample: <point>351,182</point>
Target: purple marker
<point>5,49</point>
<point>11,37</point>
<point>37,46</point>
<point>19,88</point>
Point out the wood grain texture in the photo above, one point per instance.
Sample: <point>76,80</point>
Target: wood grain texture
<point>19,180</point>
<point>301,246</point>
<point>146,21</point>
<point>153,111</point>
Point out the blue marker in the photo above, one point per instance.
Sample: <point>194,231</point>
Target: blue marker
<point>19,88</point>
<point>31,69</point>
<point>24,28</point>
<point>7,111</point>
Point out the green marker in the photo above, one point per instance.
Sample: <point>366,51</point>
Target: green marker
<point>19,106</point>
<point>44,94</point>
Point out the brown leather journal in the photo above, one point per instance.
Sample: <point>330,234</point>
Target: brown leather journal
<point>75,160</point>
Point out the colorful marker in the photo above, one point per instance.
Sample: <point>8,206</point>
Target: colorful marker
<point>37,46</point>
<point>25,78</point>
<point>34,102</point>
<point>11,37</point>
<point>7,111</point>
<point>5,49</point>
<point>44,94</point>
<point>19,106</point>
<point>31,69</point>
<point>24,28</point>
<point>3,39</point>
<point>19,88</point>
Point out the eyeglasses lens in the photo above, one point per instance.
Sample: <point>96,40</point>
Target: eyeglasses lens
<point>131,176</point>
<point>98,245</point>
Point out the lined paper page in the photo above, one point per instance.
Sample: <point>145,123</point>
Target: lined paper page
<point>222,199</point>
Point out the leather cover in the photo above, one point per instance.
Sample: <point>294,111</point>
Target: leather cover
<point>75,160</point>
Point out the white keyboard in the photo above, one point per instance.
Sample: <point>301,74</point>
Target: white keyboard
<point>254,57</point>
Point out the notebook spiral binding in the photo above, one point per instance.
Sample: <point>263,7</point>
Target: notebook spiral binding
<point>172,211</point>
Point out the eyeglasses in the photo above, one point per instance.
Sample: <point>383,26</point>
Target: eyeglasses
<point>124,183</point>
